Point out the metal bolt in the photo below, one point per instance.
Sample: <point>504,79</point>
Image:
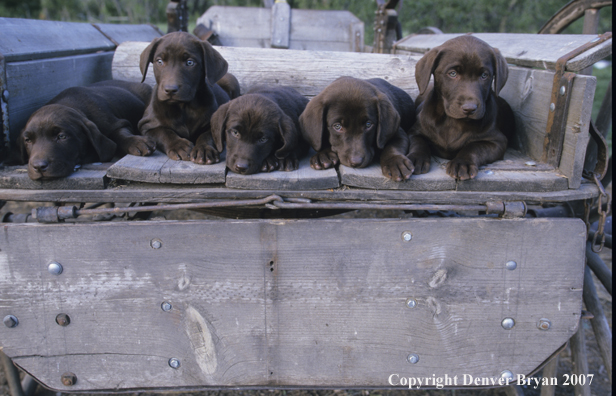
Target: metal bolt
<point>63,320</point>
<point>166,306</point>
<point>508,323</point>
<point>530,163</point>
<point>489,172</point>
<point>544,324</point>
<point>411,303</point>
<point>174,363</point>
<point>511,265</point>
<point>156,243</point>
<point>10,321</point>
<point>562,91</point>
<point>506,375</point>
<point>68,379</point>
<point>412,358</point>
<point>55,268</point>
<point>407,236</point>
<point>552,107</point>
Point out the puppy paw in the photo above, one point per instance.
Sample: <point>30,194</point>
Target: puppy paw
<point>462,169</point>
<point>398,168</point>
<point>324,159</point>
<point>289,163</point>
<point>139,145</point>
<point>421,163</point>
<point>270,164</point>
<point>180,150</point>
<point>204,155</point>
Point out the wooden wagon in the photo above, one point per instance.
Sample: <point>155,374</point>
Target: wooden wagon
<point>454,279</point>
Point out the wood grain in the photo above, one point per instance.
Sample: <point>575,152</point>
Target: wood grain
<point>88,177</point>
<point>119,33</point>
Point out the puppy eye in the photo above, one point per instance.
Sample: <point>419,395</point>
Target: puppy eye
<point>190,62</point>
<point>160,62</point>
<point>61,136</point>
<point>337,127</point>
<point>234,133</point>
<point>485,75</point>
<point>452,74</point>
<point>368,125</point>
<point>27,140</point>
<point>262,140</point>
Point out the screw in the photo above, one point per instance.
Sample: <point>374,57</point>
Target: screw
<point>412,358</point>
<point>156,243</point>
<point>544,324</point>
<point>55,268</point>
<point>68,379</point>
<point>508,323</point>
<point>562,90</point>
<point>407,236</point>
<point>552,107</point>
<point>10,321</point>
<point>411,303</point>
<point>166,306</point>
<point>174,363</point>
<point>63,320</point>
<point>506,375</point>
<point>511,265</point>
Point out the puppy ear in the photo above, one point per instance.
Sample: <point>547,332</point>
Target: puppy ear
<point>289,136</point>
<point>214,65</point>
<point>104,147</point>
<point>218,124</point>
<point>312,122</point>
<point>425,67</point>
<point>147,56</point>
<point>501,71</point>
<point>389,120</point>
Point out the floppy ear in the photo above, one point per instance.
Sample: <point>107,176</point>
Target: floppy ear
<point>218,124</point>
<point>104,147</point>
<point>215,66</point>
<point>289,136</point>
<point>425,67</point>
<point>501,71</point>
<point>389,120</point>
<point>147,56</point>
<point>312,122</point>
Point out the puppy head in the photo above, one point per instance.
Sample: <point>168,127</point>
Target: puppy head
<point>464,69</point>
<point>354,117</point>
<point>254,127</point>
<point>182,64</point>
<point>56,138</point>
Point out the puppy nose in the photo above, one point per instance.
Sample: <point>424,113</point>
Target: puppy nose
<point>469,108</point>
<point>241,167</point>
<point>356,161</point>
<point>40,165</point>
<point>171,89</point>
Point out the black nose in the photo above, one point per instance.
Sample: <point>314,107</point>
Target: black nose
<point>171,89</point>
<point>469,108</point>
<point>356,161</point>
<point>241,167</point>
<point>40,165</point>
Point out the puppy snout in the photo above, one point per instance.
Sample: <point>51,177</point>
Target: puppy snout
<point>40,165</point>
<point>241,166</point>
<point>171,89</point>
<point>356,160</point>
<point>469,108</point>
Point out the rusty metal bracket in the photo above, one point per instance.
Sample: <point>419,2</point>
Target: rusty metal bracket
<point>559,103</point>
<point>385,27</point>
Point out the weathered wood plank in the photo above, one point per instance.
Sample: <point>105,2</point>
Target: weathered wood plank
<point>88,177</point>
<point>531,50</point>
<point>31,84</point>
<point>281,24</point>
<point>158,168</point>
<point>27,39</point>
<point>119,33</point>
<point>296,303</point>
<point>304,178</point>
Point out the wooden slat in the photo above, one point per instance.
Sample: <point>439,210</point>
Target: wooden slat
<point>27,39</point>
<point>31,84</point>
<point>287,303</point>
<point>120,33</point>
<point>531,50</point>
<point>304,178</point>
<point>158,168</point>
<point>88,177</point>
<point>281,24</point>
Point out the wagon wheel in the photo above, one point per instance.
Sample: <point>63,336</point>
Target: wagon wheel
<point>571,12</point>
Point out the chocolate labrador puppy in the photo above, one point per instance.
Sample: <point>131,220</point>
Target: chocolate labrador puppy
<point>85,124</point>
<point>261,129</point>
<point>352,120</point>
<point>185,96</point>
<point>461,118</point>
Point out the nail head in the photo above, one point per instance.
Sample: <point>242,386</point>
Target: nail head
<point>508,323</point>
<point>166,306</point>
<point>156,243</point>
<point>506,375</point>
<point>407,236</point>
<point>412,358</point>
<point>174,363</point>
<point>10,321</point>
<point>562,90</point>
<point>411,303</point>
<point>55,268</point>
<point>63,320</point>
<point>511,265</point>
<point>552,107</point>
<point>544,324</point>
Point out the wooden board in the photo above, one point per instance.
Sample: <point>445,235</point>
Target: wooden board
<point>310,29</point>
<point>319,303</point>
<point>304,178</point>
<point>27,39</point>
<point>158,168</point>
<point>88,177</point>
<point>118,33</point>
<point>531,50</point>
<point>31,84</point>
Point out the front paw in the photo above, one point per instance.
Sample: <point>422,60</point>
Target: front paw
<point>462,169</point>
<point>180,150</point>
<point>203,154</point>
<point>139,145</point>
<point>289,163</point>
<point>421,163</point>
<point>270,164</point>
<point>397,168</point>
<point>324,159</point>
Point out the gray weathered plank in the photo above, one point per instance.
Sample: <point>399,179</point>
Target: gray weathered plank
<point>296,303</point>
<point>27,39</point>
<point>531,50</point>
<point>304,178</point>
<point>119,33</point>
<point>88,177</point>
<point>281,24</point>
<point>158,168</point>
<point>31,84</point>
